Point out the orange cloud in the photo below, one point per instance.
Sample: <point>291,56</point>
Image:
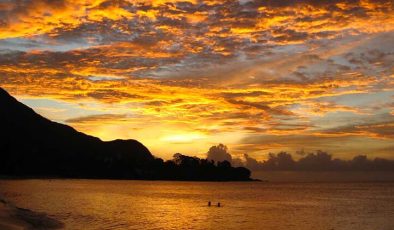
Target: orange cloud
<point>213,69</point>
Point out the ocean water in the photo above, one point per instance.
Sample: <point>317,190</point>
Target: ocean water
<point>107,204</point>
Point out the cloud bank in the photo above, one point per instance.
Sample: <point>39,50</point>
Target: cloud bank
<point>277,75</point>
<point>318,161</point>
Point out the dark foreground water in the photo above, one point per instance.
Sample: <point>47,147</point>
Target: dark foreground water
<point>101,204</point>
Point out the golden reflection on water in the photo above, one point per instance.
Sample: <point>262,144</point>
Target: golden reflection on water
<point>100,204</point>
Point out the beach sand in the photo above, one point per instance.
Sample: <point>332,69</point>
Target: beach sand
<point>14,218</point>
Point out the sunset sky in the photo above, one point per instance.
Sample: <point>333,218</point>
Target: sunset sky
<point>183,75</point>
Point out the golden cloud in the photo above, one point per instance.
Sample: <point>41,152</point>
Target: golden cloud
<point>208,68</point>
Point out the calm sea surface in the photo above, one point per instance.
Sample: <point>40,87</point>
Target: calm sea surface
<point>104,204</point>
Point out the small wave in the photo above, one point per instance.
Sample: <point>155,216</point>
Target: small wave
<point>21,218</point>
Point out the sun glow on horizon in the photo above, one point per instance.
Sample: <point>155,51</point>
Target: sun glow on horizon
<point>183,138</point>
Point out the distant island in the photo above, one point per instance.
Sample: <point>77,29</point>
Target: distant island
<point>33,146</point>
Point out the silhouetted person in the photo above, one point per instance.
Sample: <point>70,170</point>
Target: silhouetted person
<point>209,203</point>
<point>218,204</point>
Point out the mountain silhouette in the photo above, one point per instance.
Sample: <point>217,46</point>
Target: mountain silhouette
<point>33,146</point>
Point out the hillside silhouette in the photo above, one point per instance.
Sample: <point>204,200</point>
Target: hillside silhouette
<point>33,146</point>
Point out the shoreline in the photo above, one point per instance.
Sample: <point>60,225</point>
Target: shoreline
<point>15,218</point>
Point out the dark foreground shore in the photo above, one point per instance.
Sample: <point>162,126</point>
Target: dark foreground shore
<point>14,218</point>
